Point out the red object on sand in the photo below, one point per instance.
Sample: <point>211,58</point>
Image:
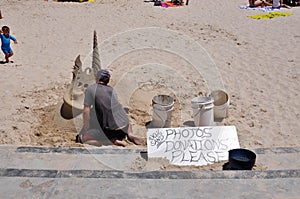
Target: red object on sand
<point>0,15</point>
<point>169,4</point>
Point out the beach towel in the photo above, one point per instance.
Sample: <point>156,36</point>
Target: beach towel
<point>271,15</point>
<point>264,9</point>
<point>169,4</point>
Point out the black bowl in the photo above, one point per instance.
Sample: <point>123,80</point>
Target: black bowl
<point>241,159</point>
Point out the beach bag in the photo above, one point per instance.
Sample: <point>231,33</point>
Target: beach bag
<point>292,2</point>
<point>177,2</point>
<point>157,3</point>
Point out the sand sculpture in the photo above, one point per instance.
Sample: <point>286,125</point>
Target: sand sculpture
<point>74,96</point>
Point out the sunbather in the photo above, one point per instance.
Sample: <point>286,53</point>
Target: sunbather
<point>257,3</point>
<point>279,4</point>
<point>263,3</point>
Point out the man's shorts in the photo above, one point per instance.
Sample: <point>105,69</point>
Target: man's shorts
<point>118,134</point>
<point>96,134</point>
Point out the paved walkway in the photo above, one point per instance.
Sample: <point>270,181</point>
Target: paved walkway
<point>42,172</point>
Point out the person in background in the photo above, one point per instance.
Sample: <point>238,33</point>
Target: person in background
<point>275,3</point>
<point>279,3</point>
<point>292,2</point>
<point>5,39</point>
<point>256,3</point>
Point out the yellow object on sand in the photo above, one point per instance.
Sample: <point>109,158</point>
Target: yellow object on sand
<point>271,15</point>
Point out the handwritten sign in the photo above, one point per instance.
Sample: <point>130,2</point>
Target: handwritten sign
<point>192,145</point>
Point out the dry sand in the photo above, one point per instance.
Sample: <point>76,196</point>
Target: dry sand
<point>258,61</point>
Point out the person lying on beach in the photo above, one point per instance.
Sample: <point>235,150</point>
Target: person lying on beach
<point>5,39</point>
<point>279,3</point>
<point>263,3</point>
<point>257,3</point>
<point>112,119</point>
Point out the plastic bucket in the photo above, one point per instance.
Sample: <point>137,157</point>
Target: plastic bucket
<point>162,111</point>
<point>203,113</point>
<point>221,103</point>
<point>241,159</point>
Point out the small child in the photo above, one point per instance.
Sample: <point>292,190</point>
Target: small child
<point>5,39</point>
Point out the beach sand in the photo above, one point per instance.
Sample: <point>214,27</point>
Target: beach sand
<point>257,60</point>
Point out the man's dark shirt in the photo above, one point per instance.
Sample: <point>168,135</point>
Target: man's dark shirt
<point>110,113</point>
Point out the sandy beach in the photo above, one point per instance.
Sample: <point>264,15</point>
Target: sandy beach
<point>258,62</point>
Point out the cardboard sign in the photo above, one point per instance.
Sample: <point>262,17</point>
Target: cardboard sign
<point>192,145</point>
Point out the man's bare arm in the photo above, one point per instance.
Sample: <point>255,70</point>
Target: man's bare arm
<point>86,118</point>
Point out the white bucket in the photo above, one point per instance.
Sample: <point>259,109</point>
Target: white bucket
<point>162,111</point>
<point>203,111</point>
<point>221,103</point>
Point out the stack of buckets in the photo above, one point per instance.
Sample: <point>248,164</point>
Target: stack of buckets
<point>207,109</point>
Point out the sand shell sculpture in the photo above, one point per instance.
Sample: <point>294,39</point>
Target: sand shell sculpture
<point>74,96</point>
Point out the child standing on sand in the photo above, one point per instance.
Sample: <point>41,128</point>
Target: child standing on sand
<point>5,39</point>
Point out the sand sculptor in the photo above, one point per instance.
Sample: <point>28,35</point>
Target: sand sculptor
<point>112,120</point>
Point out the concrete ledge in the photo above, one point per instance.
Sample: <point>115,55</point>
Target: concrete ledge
<point>150,175</point>
<point>30,149</point>
<point>49,172</point>
<point>26,149</point>
<point>277,150</point>
<point>53,162</point>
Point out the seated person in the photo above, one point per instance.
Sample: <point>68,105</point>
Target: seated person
<point>263,3</point>
<point>279,3</point>
<point>257,3</point>
<point>111,118</point>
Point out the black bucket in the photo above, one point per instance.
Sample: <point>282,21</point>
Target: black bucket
<point>241,159</point>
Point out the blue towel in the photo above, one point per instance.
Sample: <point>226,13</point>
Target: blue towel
<point>264,9</point>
